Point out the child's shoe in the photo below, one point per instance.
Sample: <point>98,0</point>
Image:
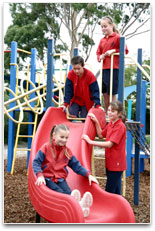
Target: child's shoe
<point>87,200</point>
<point>76,194</point>
<point>86,212</point>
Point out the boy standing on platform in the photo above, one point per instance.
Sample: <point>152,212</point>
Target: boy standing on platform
<point>81,89</point>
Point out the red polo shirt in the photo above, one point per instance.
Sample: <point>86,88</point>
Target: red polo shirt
<point>109,43</point>
<point>116,155</point>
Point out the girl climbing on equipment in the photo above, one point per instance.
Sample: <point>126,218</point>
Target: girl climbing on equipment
<point>50,167</point>
<point>108,45</point>
<point>115,145</point>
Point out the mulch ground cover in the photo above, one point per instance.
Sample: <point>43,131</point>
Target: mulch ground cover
<point>18,208</point>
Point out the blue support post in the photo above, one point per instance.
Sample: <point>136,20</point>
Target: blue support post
<point>121,70</point>
<point>11,126</point>
<point>31,114</point>
<point>50,72</point>
<point>129,109</point>
<point>129,143</point>
<point>75,53</point>
<point>138,118</point>
<point>143,118</point>
<point>143,106</point>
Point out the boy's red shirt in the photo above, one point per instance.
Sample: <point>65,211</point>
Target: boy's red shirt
<point>112,42</point>
<point>82,94</point>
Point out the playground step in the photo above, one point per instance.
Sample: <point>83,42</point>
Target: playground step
<point>23,149</point>
<point>27,123</point>
<point>25,136</point>
<point>99,157</point>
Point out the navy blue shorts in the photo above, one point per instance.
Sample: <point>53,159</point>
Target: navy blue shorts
<point>113,184</point>
<point>78,111</point>
<point>106,81</point>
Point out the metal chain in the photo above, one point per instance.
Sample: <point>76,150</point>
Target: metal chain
<point>142,145</point>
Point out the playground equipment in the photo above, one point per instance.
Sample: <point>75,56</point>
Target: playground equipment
<point>33,103</point>
<point>61,208</point>
<point>136,129</point>
<point>49,100</point>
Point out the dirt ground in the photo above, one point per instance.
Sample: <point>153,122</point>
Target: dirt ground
<point>18,208</point>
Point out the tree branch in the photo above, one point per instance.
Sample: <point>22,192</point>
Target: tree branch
<point>137,28</point>
<point>137,34</point>
<point>82,16</point>
<point>127,26</point>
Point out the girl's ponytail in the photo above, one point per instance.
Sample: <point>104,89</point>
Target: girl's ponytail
<point>52,131</point>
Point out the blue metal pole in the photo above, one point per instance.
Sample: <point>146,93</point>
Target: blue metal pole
<point>30,113</point>
<point>49,73</point>
<point>143,118</point>
<point>129,142</point>
<point>143,106</point>
<point>11,126</point>
<point>75,53</point>
<point>129,109</point>
<point>138,118</point>
<point>121,70</point>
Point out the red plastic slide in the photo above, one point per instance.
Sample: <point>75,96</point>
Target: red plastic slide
<point>56,207</point>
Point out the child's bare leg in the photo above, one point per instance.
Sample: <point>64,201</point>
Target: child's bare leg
<point>106,101</point>
<point>114,98</point>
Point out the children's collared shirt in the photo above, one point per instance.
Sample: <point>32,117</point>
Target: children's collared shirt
<point>116,155</point>
<point>109,43</point>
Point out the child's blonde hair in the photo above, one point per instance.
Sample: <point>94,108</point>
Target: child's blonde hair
<point>55,129</point>
<point>118,106</point>
<point>110,21</point>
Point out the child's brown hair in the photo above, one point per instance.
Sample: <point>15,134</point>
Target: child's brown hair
<point>118,106</point>
<point>110,21</point>
<point>55,129</point>
<point>77,60</point>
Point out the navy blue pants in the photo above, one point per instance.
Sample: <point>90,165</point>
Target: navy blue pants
<point>106,81</point>
<point>78,111</point>
<point>113,184</point>
<point>61,186</point>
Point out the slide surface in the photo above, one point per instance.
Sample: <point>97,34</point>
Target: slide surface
<point>61,208</point>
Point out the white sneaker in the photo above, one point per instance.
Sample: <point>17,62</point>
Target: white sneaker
<point>76,194</point>
<point>87,200</point>
<point>86,212</point>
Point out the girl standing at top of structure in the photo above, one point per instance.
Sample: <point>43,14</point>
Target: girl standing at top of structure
<point>108,45</point>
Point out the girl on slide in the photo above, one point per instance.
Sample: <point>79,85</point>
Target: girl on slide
<point>50,167</point>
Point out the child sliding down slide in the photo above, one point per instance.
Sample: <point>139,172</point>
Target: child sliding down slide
<point>51,162</point>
